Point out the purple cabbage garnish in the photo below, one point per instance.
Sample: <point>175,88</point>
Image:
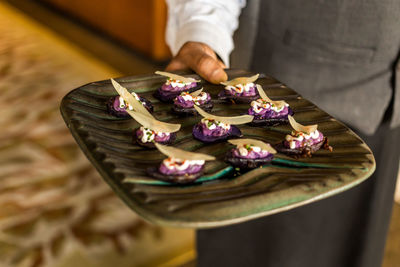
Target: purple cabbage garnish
<point>241,90</point>
<point>173,167</point>
<point>265,115</point>
<point>191,111</point>
<point>178,171</point>
<point>114,107</point>
<point>239,97</point>
<point>248,157</point>
<point>185,100</point>
<point>298,139</point>
<point>167,92</point>
<point>170,88</point>
<point>251,154</point>
<point>303,148</point>
<point>146,137</point>
<point>261,109</point>
<point>204,134</point>
<point>213,128</point>
<point>179,179</point>
<point>247,163</point>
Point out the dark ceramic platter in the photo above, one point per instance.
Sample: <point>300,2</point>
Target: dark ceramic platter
<point>221,196</point>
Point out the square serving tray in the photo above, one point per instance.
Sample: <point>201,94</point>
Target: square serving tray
<point>222,196</point>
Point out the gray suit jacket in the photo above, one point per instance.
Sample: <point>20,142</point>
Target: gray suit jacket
<point>342,55</point>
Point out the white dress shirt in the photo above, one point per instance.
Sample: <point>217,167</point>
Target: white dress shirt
<point>207,21</point>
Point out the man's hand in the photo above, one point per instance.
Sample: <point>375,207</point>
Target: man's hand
<point>200,58</point>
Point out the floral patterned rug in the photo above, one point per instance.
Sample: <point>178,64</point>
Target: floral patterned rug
<point>55,209</point>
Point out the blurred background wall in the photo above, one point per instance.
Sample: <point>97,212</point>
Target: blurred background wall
<point>138,24</point>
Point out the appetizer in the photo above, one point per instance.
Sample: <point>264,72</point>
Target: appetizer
<point>117,105</point>
<point>183,103</point>
<point>180,167</point>
<point>267,112</point>
<point>303,141</point>
<point>249,153</point>
<point>153,131</point>
<point>175,85</point>
<point>213,128</point>
<point>241,90</point>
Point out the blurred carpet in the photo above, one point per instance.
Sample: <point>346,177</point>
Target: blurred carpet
<point>392,250</point>
<point>55,210</point>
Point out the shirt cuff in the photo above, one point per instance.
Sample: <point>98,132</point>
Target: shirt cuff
<point>210,34</point>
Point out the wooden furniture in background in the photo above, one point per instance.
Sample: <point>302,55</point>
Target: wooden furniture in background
<point>137,23</point>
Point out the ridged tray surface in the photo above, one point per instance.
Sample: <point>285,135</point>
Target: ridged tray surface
<point>220,197</point>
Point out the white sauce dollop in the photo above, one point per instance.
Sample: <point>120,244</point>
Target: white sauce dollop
<point>300,137</point>
<point>261,104</point>
<point>149,135</point>
<point>188,97</point>
<point>122,103</point>
<point>240,88</point>
<point>212,124</point>
<point>176,83</point>
<point>178,164</point>
<point>244,149</point>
